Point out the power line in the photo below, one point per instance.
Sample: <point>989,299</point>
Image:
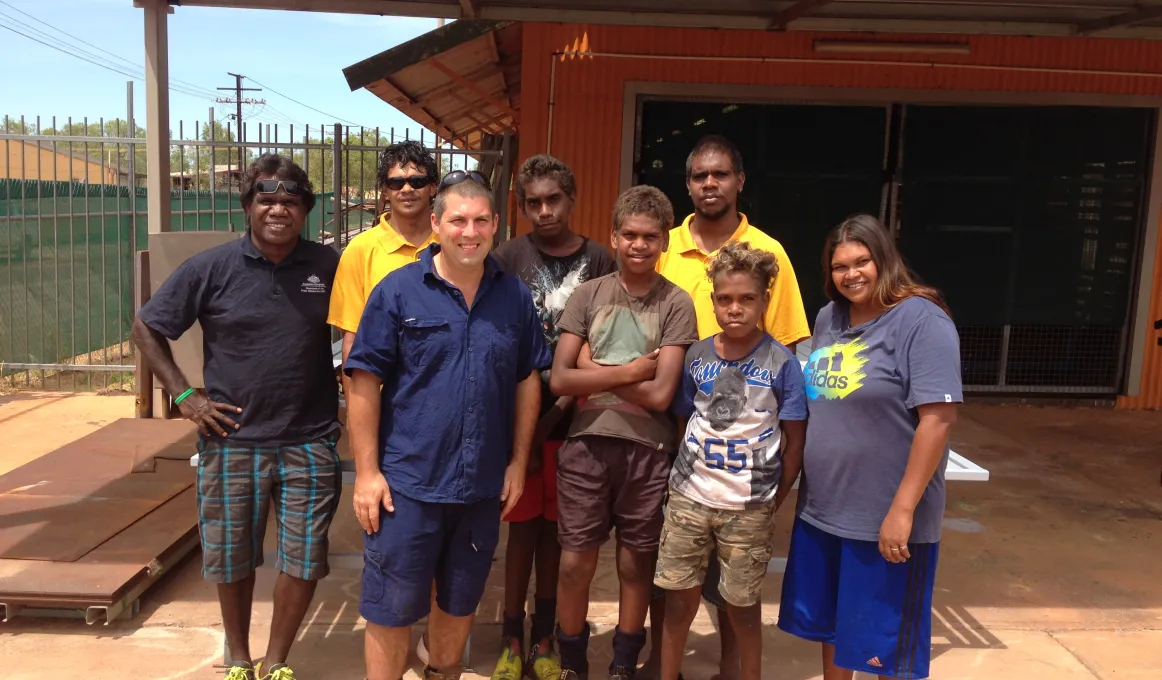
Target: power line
<point>239,100</point>
<point>330,115</point>
<point>72,50</point>
<point>135,70</point>
<point>81,40</point>
<point>109,67</point>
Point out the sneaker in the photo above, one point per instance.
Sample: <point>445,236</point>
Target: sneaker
<point>422,649</point>
<point>543,664</point>
<point>509,665</point>
<point>432,674</point>
<point>622,673</point>
<point>240,671</point>
<point>279,671</point>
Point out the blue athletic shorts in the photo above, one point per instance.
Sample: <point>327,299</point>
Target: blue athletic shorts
<point>843,592</point>
<point>451,543</point>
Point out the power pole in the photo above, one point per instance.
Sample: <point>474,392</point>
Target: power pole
<point>238,90</point>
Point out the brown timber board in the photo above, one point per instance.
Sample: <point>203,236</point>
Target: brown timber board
<point>63,505</point>
<point>104,575</point>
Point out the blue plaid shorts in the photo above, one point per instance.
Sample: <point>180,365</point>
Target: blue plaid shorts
<point>236,485</point>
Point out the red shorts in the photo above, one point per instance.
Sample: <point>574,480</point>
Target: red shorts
<point>540,495</point>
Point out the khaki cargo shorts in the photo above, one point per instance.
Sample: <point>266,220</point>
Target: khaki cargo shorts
<point>690,533</point>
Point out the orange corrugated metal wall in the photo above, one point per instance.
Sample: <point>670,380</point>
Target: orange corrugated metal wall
<point>588,95</point>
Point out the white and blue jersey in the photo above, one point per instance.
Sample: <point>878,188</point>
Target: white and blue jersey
<point>730,457</point>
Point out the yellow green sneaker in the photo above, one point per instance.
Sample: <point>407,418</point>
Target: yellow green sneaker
<point>509,665</point>
<point>279,671</point>
<point>240,671</point>
<point>543,663</point>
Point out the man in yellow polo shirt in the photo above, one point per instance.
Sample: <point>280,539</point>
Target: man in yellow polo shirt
<point>407,175</point>
<point>714,178</point>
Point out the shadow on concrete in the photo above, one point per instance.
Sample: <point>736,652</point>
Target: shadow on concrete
<point>1063,537</point>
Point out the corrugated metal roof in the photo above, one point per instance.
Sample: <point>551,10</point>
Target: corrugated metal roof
<point>1110,18</point>
<point>461,80</point>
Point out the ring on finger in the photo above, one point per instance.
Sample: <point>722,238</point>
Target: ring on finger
<point>895,550</point>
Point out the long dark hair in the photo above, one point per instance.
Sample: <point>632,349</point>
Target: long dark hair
<point>895,282</point>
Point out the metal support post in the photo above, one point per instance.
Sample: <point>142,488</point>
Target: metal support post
<point>336,187</point>
<point>507,147</point>
<point>157,113</point>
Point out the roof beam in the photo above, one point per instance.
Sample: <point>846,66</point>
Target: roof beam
<point>494,50</point>
<point>1118,20</point>
<point>471,110</point>
<point>485,71</point>
<point>469,9</point>
<point>495,120</point>
<point>800,9</point>
<point>439,66</point>
<point>394,91</point>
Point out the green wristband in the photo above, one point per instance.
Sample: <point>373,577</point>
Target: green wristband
<point>183,396</point>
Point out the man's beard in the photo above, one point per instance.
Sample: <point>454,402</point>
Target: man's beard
<point>713,216</point>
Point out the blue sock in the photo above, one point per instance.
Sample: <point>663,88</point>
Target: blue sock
<point>574,650</point>
<point>626,649</point>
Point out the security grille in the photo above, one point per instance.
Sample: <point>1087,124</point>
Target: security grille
<point>1027,218</point>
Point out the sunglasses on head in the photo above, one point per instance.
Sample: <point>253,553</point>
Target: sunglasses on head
<point>457,176</point>
<point>415,181</point>
<point>270,186</point>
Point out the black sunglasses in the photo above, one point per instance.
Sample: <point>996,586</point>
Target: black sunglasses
<point>270,186</point>
<point>457,176</point>
<point>416,182</point>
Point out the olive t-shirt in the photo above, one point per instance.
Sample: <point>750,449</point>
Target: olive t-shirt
<point>620,328</point>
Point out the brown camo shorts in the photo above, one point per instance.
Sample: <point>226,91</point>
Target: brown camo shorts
<point>691,531</point>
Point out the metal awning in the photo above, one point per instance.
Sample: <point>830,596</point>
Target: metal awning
<point>1105,18</point>
<point>1108,18</point>
<point>461,80</point>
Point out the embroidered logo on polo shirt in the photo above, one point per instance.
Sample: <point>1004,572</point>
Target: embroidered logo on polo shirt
<point>314,284</point>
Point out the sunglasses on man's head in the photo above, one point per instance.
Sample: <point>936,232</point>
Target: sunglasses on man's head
<point>457,176</point>
<point>270,186</point>
<point>416,182</point>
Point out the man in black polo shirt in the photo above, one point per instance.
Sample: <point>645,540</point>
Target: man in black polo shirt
<point>268,417</point>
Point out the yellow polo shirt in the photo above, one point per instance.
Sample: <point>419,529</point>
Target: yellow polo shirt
<point>684,263</point>
<point>368,258</point>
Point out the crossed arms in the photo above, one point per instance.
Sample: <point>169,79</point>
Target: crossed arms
<point>648,381</point>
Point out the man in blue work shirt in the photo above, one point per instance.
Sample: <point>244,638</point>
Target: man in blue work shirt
<point>457,347</point>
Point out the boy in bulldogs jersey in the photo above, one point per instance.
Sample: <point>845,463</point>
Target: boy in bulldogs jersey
<point>743,395</point>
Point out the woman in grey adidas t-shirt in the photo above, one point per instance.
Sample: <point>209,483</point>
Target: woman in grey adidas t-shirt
<point>882,383</point>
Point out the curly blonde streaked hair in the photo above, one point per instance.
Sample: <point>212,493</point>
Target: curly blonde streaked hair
<point>741,257</point>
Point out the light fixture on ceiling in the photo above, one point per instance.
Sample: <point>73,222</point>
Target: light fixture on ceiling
<point>881,47</point>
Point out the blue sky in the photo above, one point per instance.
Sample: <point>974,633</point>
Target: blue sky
<point>299,54</point>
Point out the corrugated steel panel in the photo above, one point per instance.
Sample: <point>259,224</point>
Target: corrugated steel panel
<point>588,93</point>
<point>587,106</point>
<point>1150,391</point>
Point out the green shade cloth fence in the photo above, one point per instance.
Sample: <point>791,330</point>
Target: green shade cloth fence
<point>66,260</point>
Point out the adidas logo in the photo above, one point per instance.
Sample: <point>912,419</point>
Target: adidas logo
<point>875,662</point>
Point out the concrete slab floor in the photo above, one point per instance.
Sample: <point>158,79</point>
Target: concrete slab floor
<point>1049,570</point>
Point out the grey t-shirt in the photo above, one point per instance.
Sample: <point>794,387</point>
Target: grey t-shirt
<point>863,385</point>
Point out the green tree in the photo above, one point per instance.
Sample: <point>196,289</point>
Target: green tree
<point>13,126</point>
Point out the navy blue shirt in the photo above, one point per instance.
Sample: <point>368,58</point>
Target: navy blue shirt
<point>449,378</point>
<point>266,344</point>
